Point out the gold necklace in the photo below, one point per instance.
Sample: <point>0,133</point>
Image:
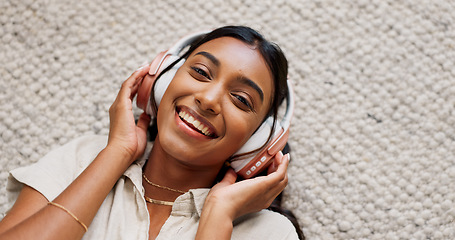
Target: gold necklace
<point>162,187</point>
<point>159,202</point>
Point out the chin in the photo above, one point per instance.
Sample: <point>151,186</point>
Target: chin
<point>190,154</point>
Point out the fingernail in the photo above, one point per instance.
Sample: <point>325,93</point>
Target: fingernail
<point>288,157</point>
<point>280,154</point>
<point>143,66</point>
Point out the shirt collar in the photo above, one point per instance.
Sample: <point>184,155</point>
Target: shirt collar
<point>190,203</point>
<point>186,204</point>
<point>134,172</point>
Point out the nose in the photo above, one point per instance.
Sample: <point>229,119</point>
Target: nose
<point>209,98</point>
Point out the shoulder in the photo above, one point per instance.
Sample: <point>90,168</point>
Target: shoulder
<point>72,157</point>
<point>57,169</point>
<point>80,151</point>
<point>264,224</point>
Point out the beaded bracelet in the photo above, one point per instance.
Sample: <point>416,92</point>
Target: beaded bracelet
<point>70,213</point>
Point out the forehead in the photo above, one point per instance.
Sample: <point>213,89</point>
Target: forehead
<point>227,48</point>
<point>237,57</point>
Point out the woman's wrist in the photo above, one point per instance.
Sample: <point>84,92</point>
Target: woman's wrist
<point>216,221</point>
<point>215,205</point>
<point>212,208</point>
<point>118,154</point>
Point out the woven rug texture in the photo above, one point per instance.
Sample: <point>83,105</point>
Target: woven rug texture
<point>373,133</point>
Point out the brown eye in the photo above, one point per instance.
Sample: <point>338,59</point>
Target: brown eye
<point>243,101</point>
<point>200,72</point>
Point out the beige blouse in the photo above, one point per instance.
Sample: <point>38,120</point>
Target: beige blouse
<point>123,214</point>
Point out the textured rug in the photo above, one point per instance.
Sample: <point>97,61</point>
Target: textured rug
<point>373,136</point>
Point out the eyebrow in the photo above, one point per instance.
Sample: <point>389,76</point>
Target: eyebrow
<point>243,79</point>
<point>210,57</point>
<point>252,84</point>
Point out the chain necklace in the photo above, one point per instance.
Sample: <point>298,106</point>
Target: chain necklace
<point>159,202</point>
<point>162,187</point>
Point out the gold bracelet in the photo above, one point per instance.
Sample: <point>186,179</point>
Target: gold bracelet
<point>70,213</point>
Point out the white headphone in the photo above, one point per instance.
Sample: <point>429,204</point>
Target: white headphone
<point>246,166</point>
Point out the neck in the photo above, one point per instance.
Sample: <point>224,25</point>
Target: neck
<point>165,170</point>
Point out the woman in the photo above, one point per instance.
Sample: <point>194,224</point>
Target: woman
<point>231,81</point>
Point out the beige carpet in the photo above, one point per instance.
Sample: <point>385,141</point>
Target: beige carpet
<point>373,135</point>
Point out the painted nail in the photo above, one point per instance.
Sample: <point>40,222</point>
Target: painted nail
<point>143,66</point>
<point>279,153</point>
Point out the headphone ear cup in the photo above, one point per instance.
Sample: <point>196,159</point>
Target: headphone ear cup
<point>143,94</point>
<point>165,79</point>
<point>256,141</point>
<point>145,88</point>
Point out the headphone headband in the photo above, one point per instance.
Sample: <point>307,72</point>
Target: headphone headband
<point>186,41</point>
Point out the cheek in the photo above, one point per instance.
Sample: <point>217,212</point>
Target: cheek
<point>177,88</point>
<point>239,130</point>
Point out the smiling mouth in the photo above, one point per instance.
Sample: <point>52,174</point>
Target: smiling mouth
<point>195,124</point>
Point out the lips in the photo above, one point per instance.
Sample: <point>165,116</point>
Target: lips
<point>194,121</point>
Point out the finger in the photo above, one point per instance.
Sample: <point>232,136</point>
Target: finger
<point>133,81</point>
<point>135,88</point>
<point>139,74</point>
<point>142,70</point>
<point>283,165</point>
<point>279,175</point>
<point>143,121</point>
<point>230,177</point>
<point>276,160</point>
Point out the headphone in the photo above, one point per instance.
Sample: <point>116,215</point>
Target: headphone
<point>247,165</point>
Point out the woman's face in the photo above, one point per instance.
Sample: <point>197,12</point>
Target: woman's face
<point>215,102</point>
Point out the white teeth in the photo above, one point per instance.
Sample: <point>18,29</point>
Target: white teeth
<point>197,124</point>
<point>204,130</point>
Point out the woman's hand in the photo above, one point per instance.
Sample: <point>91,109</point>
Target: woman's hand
<point>229,200</point>
<point>30,215</point>
<point>250,195</point>
<point>124,134</point>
